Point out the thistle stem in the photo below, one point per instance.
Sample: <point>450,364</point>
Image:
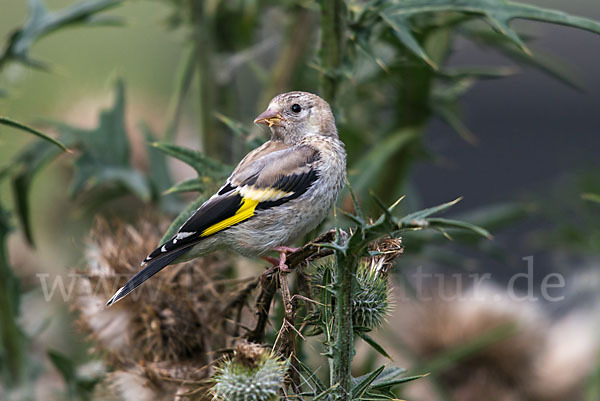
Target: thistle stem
<point>343,349</point>
<point>333,27</point>
<point>12,341</point>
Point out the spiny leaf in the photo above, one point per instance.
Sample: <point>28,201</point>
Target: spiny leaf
<point>591,197</point>
<point>241,131</point>
<point>388,374</point>
<point>362,42</point>
<point>422,214</point>
<point>183,83</point>
<point>552,66</point>
<point>15,124</point>
<point>498,14</point>
<point>159,175</point>
<point>360,387</point>
<point>386,211</point>
<point>41,22</point>
<point>376,346</point>
<point>401,27</point>
<point>198,161</point>
<point>448,223</point>
<point>325,393</point>
<point>105,155</point>
<point>24,169</point>
<point>352,217</point>
<point>360,218</point>
<point>191,185</point>
<point>312,376</point>
<point>450,115</point>
<point>457,73</point>
<point>392,383</point>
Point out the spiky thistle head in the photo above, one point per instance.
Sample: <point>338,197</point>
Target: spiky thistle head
<point>252,374</point>
<point>371,301</point>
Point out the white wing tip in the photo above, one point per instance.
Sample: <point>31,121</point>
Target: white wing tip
<point>115,298</point>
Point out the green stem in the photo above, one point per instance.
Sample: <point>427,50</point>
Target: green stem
<point>333,25</point>
<point>290,59</point>
<point>343,349</point>
<point>182,86</point>
<point>203,21</point>
<point>11,338</point>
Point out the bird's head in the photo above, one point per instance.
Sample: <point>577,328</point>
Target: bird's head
<point>293,115</point>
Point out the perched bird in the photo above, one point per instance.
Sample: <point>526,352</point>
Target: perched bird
<point>279,191</point>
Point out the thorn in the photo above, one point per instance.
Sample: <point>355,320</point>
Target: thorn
<point>455,201</point>
<point>396,203</point>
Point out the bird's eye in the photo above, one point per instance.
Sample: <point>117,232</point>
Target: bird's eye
<point>296,108</point>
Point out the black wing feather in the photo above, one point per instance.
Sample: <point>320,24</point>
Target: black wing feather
<point>296,183</point>
<point>150,270</point>
<point>208,214</point>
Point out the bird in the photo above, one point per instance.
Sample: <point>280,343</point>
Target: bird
<point>277,193</point>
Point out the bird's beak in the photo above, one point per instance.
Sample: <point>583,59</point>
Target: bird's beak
<point>269,117</point>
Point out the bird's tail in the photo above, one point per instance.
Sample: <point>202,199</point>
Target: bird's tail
<point>150,270</point>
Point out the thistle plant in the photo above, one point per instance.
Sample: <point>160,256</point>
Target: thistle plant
<point>374,59</point>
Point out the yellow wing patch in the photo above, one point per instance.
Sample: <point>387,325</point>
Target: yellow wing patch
<point>263,194</point>
<point>251,197</point>
<point>245,211</point>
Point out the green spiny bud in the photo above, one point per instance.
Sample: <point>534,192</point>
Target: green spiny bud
<point>370,303</point>
<point>253,374</point>
<point>371,299</point>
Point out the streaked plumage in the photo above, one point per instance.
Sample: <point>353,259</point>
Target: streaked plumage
<point>276,194</point>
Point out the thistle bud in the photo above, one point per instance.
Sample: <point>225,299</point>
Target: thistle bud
<point>371,303</point>
<point>252,374</point>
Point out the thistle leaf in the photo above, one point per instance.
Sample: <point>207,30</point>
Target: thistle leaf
<point>376,346</point>
<point>203,164</point>
<point>448,223</point>
<point>15,124</point>
<point>191,185</point>
<point>422,214</point>
<point>105,153</point>
<point>498,14</point>
<point>362,385</point>
<point>41,22</point>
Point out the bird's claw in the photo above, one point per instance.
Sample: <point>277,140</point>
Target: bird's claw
<point>278,263</point>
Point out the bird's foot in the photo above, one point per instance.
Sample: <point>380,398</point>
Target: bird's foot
<point>283,252</point>
<point>285,249</point>
<point>278,263</point>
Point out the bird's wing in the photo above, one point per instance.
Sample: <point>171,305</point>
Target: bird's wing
<point>268,177</point>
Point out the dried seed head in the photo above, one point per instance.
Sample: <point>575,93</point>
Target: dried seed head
<point>384,251</point>
<point>157,381</point>
<point>249,354</point>
<point>155,339</point>
<point>165,317</point>
<point>505,367</point>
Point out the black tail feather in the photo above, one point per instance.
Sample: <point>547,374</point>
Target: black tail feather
<point>150,270</point>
